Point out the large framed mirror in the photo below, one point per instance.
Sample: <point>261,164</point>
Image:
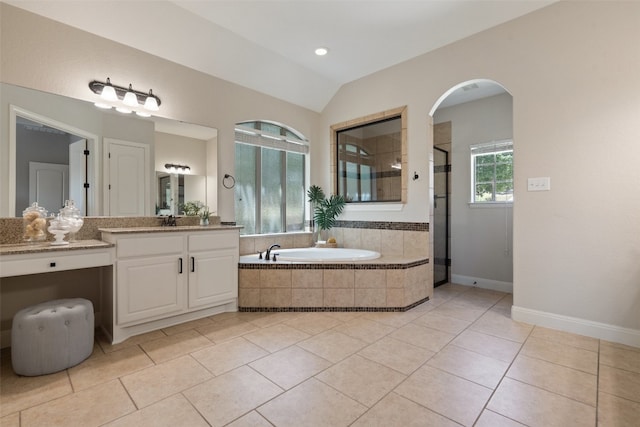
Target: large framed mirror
<point>369,158</point>
<point>52,133</point>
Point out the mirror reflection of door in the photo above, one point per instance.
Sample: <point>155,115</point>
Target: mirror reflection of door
<point>48,185</point>
<point>163,206</point>
<point>78,191</point>
<point>127,184</point>
<point>40,144</point>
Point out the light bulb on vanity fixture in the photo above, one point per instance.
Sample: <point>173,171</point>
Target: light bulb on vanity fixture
<point>108,92</point>
<point>124,100</point>
<point>151,102</point>
<point>130,98</point>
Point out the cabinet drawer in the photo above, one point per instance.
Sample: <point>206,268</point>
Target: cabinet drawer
<point>214,240</point>
<point>149,246</point>
<point>42,263</point>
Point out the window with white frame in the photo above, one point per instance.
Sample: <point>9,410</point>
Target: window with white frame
<point>492,172</point>
<point>270,178</point>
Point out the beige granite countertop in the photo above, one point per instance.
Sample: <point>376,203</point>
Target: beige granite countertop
<point>28,248</point>
<point>168,229</point>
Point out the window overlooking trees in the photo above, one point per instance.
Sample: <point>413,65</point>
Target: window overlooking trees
<point>492,172</point>
<point>270,178</point>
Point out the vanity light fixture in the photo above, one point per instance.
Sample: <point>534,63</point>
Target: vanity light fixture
<point>176,168</point>
<point>124,100</point>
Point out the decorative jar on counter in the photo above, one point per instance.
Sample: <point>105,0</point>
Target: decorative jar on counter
<point>71,214</point>
<point>34,219</point>
<point>59,227</point>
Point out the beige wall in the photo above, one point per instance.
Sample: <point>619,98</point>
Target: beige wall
<point>42,54</point>
<point>572,70</point>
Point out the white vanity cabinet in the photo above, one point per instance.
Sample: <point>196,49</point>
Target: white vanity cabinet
<point>213,269</point>
<point>172,275</point>
<point>150,277</point>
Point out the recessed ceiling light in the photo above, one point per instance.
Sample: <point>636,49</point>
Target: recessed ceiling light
<point>321,51</point>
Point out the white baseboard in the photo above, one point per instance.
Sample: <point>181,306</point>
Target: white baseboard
<point>576,325</point>
<point>479,282</point>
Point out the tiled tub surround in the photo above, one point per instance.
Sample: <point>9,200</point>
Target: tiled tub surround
<point>388,238</point>
<point>397,281</point>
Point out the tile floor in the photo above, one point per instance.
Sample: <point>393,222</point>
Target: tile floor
<point>456,360</point>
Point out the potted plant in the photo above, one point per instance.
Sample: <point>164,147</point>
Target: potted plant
<point>191,208</point>
<point>325,211</point>
<point>204,215</point>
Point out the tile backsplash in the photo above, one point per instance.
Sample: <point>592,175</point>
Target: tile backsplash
<point>388,238</point>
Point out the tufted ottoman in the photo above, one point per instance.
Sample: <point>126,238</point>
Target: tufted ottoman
<point>51,336</point>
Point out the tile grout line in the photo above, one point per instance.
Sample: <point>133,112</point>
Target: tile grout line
<point>436,368</point>
<point>493,392</point>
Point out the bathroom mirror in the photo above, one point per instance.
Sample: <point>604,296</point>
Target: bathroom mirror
<point>64,128</point>
<point>175,189</point>
<point>369,158</point>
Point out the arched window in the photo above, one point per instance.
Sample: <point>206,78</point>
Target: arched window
<point>270,177</point>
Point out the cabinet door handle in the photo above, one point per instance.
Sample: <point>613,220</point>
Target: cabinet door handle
<point>193,264</point>
<point>180,266</point>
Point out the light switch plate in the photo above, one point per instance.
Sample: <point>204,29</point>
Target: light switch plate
<point>539,184</point>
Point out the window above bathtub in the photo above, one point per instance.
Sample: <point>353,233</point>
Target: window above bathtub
<point>368,158</point>
<point>270,168</point>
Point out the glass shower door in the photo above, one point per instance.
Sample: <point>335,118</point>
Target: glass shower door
<point>440,229</point>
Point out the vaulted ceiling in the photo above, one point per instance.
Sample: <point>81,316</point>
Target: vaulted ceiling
<point>268,45</point>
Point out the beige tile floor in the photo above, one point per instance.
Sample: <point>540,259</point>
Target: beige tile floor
<point>456,360</point>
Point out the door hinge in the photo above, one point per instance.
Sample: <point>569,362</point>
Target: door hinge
<point>86,152</point>
<point>86,185</point>
<point>109,186</point>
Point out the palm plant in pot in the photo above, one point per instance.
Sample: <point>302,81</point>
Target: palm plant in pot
<point>325,211</point>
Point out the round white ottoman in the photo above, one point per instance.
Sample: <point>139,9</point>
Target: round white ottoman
<point>51,336</point>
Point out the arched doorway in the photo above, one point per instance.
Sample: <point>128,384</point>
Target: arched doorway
<point>472,199</point>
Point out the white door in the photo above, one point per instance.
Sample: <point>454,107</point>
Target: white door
<point>128,183</point>
<point>48,185</point>
<point>78,174</point>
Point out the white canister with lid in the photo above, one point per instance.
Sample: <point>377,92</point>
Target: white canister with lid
<point>71,214</point>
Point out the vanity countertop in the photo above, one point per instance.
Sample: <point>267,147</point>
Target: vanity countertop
<point>28,248</point>
<point>168,229</point>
